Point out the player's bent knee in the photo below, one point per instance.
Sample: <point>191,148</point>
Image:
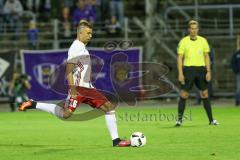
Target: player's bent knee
<point>107,107</point>
<point>111,107</point>
<point>184,94</point>
<point>204,94</point>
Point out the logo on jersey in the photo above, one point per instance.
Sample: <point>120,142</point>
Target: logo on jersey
<point>42,73</point>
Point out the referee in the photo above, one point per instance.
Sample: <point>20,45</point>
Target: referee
<point>194,68</point>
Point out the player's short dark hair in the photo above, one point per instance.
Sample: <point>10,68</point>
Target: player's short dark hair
<point>82,24</point>
<point>191,22</point>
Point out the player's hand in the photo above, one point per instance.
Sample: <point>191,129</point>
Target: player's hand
<point>208,76</point>
<point>181,79</point>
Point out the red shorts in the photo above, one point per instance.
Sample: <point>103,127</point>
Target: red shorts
<point>88,96</point>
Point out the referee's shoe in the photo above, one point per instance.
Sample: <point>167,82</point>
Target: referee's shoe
<point>178,123</point>
<point>214,123</point>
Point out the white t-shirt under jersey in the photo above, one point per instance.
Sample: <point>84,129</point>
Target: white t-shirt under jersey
<point>79,55</point>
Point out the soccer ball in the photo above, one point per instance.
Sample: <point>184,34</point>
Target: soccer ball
<point>138,139</point>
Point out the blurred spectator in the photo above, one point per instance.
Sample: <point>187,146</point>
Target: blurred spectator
<point>116,7</point>
<point>12,12</point>
<point>32,34</point>
<point>66,22</point>
<point>113,27</point>
<point>83,11</point>
<point>33,5</point>
<point>18,86</point>
<point>45,11</point>
<point>68,3</point>
<point>105,9</point>
<point>235,64</point>
<point>47,6</point>
<point>95,6</point>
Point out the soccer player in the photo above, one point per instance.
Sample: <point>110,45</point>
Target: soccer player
<point>78,71</point>
<point>235,64</point>
<point>194,68</point>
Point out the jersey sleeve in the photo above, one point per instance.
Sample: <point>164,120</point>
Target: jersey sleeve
<point>74,52</point>
<point>180,48</point>
<point>206,48</point>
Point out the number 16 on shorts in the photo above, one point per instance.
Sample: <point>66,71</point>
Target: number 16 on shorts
<point>72,104</point>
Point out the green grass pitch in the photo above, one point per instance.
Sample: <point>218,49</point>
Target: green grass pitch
<point>40,136</point>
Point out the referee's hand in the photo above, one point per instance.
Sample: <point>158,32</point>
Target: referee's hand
<point>208,76</point>
<point>181,79</point>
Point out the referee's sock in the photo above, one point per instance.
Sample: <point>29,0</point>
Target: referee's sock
<point>181,108</point>
<point>208,109</point>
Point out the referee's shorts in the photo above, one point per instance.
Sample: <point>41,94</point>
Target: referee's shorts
<point>194,75</point>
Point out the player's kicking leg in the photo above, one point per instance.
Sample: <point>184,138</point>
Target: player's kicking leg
<point>47,107</point>
<point>61,112</point>
<point>110,117</point>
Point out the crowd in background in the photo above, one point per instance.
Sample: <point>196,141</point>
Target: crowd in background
<point>13,13</point>
<point>108,12</point>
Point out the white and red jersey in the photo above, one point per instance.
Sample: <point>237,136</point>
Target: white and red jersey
<point>79,55</point>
